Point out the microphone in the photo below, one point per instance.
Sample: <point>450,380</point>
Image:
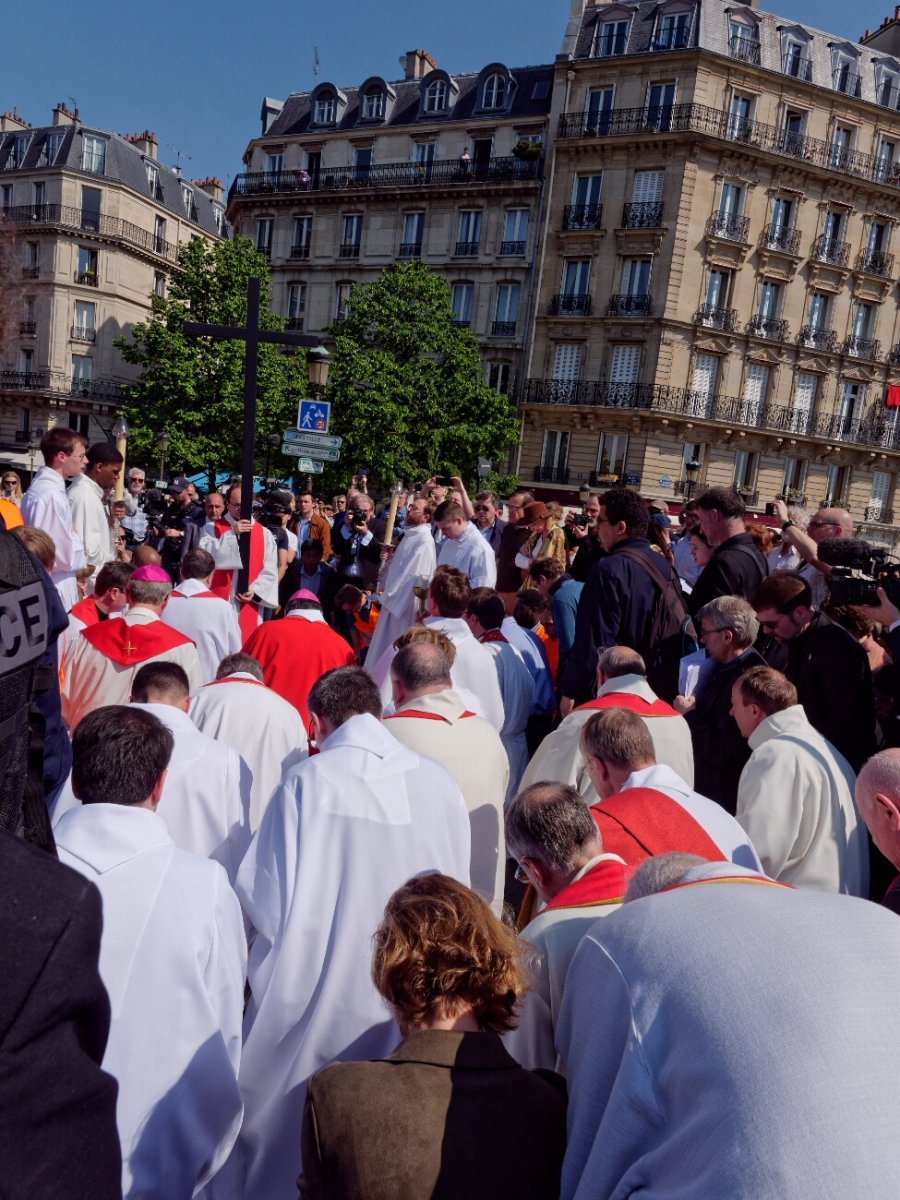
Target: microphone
<point>845,552</point>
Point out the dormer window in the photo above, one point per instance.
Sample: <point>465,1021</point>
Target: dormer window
<point>93,157</point>
<point>373,104</point>
<point>743,42</point>
<point>325,110</point>
<point>152,179</point>
<point>20,146</point>
<point>611,38</point>
<point>187,199</point>
<point>435,96</point>
<point>887,85</point>
<point>673,31</point>
<point>795,56</point>
<point>52,143</point>
<point>845,73</point>
<point>494,94</point>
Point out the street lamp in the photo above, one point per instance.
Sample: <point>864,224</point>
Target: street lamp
<point>584,494</point>
<point>318,364</point>
<point>692,470</point>
<point>162,445</point>
<point>120,433</point>
<point>33,443</point>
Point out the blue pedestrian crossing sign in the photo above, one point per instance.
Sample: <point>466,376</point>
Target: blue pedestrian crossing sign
<point>314,416</point>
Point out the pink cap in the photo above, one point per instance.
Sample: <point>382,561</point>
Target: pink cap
<point>151,575</point>
<point>305,594</point>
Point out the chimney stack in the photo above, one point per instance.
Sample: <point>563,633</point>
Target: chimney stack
<point>64,116</point>
<point>145,142</point>
<point>212,186</point>
<point>416,64</point>
<point>11,122</point>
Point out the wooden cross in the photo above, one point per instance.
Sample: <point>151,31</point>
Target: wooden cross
<point>252,335</point>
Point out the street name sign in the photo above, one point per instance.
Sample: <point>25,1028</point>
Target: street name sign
<point>327,440</point>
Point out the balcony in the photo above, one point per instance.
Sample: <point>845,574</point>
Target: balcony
<point>813,338</point>
<point>638,305</point>
<point>544,473</point>
<point>878,515</point>
<point>831,251</point>
<point>571,304</point>
<point>265,251</point>
<point>798,66</point>
<point>466,249</point>
<point>295,324</point>
<point>749,497</point>
<point>781,240</point>
<point>27,328</point>
<point>461,322</point>
<point>744,49</point>
<point>847,82</point>
<point>380,176</point>
<point>894,355</point>
<point>76,220</point>
<point>348,250</point>
<point>582,216</point>
<point>875,262</point>
<point>300,251</point>
<point>506,329</point>
<point>59,383</point>
<point>728,225</point>
<point>88,278</point>
<point>773,328</point>
<point>410,250</point>
<point>712,317</point>
<point>863,347</point>
<point>31,272</point>
<point>512,249</point>
<point>82,333</point>
<point>642,216</point>
<point>675,39</point>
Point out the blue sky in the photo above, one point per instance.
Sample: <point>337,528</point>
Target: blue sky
<point>197,73</point>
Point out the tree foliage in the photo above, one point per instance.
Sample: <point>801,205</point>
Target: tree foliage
<point>192,388</point>
<point>407,386</point>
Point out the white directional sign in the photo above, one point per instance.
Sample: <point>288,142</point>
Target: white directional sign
<point>313,451</point>
<point>309,466</point>
<point>313,439</point>
<point>314,416</point>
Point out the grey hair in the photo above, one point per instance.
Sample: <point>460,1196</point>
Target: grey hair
<point>421,665</point>
<point>616,661</point>
<point>662,871</point>
<point>147,591</point>
<point>551,823</point>
<point>231,664</point>
<point>800,516</point>
<point>880,774</point>
<point>734,613</point>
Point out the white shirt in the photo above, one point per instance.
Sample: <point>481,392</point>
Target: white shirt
<point>226,551</point>
<point>471,554</point>
<point>343,832</point>
<point>210,623</point>
<point>413,560</point>
<point>45,506</point>
<point>172,958</point>
<point>90,520</point>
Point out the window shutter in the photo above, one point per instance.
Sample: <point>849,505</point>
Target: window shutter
<point>647,187</point>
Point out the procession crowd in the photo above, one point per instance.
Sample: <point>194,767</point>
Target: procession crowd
<point>437,846</point>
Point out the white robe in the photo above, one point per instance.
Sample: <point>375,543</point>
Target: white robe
<point>345,830</point>
<point>173,959</point>
<point>210,623</point>
<point>414,559</point>
<point>473,669</point>
<point>559,757</point>
<point>473,752</point>
<point>259,724</point>
<point>470,553</point>
<point>90,520</point>
<point>93,681</point>
<point>226,552</point>
<point>46,506</point>
<point>796,802</point>
<point>517,692</point>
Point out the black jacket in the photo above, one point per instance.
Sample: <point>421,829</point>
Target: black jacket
<point>736,568</point>
<point>589,552</point>
<point>58,1136</point>
<point>830,671</point>
<point>720,752</point>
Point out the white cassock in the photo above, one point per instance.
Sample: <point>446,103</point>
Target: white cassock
<point>205,800</point>
<point>470,553</point>
<point>559,757</point>
<point>90,520</point>
<point>46,506</point>
<point>259,724</point>
<point>92,680</point>
<point>472,670</point>
<point>472,751</point>
<point>517,691</point>
<point>173,960</point>
<point>226,551</point>
<point>210,623</point>
<point>343,832</point>
<point>414,559</point>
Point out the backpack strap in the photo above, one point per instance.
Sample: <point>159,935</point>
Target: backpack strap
<point>660,581</point>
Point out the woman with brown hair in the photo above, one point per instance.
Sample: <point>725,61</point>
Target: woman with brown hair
<point>450,1114</point>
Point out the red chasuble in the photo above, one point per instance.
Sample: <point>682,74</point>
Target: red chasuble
<point>86,612</point>
<point>293,653</point>
<point>129,644</point>
<point>631,703</point>
<point>641,822</point>
<point>604,883</point>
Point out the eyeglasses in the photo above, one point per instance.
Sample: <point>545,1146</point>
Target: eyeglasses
<point>819,524</point>
<point>481,507</point>
<point>708,632</point>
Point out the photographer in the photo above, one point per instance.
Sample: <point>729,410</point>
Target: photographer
<point>581,535</point>
<point>356,549</point>
<point>171,525</point>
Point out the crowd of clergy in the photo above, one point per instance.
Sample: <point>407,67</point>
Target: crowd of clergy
<point>450,848</point>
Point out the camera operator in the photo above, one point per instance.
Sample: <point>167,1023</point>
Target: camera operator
<point>356,548</point>
<point>827,523</point>
<point>580,531</point>
<point>171,524</point>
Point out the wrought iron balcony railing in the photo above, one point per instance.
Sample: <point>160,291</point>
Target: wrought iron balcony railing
<point>675,39</point>
<point>512,249</point>
<point>894,355</point>
<point>647,215</point>
<point>503,329</point>
<point>60,383</point>
<point>31,272</point>
<point>878,514</point>
<point>410,250</point>
<point>847,81</point>
<point>300,250</point>
<point>571,304</point>
<point>83,333</point>
<point>798,66</point>
<point>780,239</point>
<point>88,278</point>
<point>638,305</point>
<point>744,49</point>
<point>713,317</point>
<point>831,251</point>
<point>582,216</point>
<point>27,328</point>
<point>863,347</point>
<point>545,473</point>
<point>814,338</point>
<point>348,250</point>
<point>773,328</point>
<point>466,249</point>
<point>438,173</point>
<point>728,225</point>
<point>875,262</point>
<point>59,216</point>
<point>295,324</point>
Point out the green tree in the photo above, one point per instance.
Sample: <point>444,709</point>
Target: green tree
<point>193,388</point>
<point>407,386</point>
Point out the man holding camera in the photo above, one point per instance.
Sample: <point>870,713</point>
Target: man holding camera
<point>827,523</point>
<point>356,548</point>
<point>581,532</point>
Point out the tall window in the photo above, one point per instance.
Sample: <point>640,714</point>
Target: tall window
<point>769,300</point>
<point>85,321</point>
<point>413,230</point>
<point>52,143</point>
<point>325,110</point>
<point>302,237</point>
<point>576,278</point>
<point>636,276</point>
<point>611,457</point>
<point>87,266</point>
<point>373,104</point>
<point>187,200</point>
<point>739,127</point>
<point>468,233</point>
<point>274,163</point>
<point>296,305</point>
<point>555,456</point>
<point>82,369</point>
<point>506,312</point>
<point>756,388</point>
<point>673,31</point>
<point>351,236</point>
<point>264,235</point>
<point>152,178</point>
<point>435,96</point>
<point>461,297</point>
<point>342,300</point>
<point>159,235</point>
<point>494,95</point>
<point>515,231</point>
<point>20,145</point>
<point>498,378</point>
<point>744,470</point>
<point>159,284</point>
<point>94,154</point>
<point>598,110</point>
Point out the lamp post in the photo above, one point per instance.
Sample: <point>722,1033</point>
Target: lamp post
<point>162,445</point>
<point>692,470</point>
<point>318,364</point>
<point>584,494</point>
<point>33,442</point>
<point>120,433</point>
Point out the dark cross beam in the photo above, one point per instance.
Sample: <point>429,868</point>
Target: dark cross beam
<point>252,335</point>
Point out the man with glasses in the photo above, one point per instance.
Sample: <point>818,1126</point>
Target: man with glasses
<point>487,509</point>
<point>512,539</point>
<point>827,523</point>
<point>582,532</point>
<point>46,506</point>
<point>220,538</point>
<point>135,519</point>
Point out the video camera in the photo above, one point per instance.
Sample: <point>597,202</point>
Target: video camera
<point>857,569</point>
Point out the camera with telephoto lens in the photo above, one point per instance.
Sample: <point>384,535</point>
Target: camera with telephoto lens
<point>857,569</point>
<point>581,521</point>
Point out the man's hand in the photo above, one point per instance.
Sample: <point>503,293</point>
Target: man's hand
<point>781,510</point>
<point>244,597</point>
<point>243,526</point>
<point>173,533</point>
<point>885,612</point>
<point>566,704</point>
<point>684,704</point>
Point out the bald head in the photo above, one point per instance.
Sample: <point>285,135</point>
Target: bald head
<point>145,556</point>
<point>830,523</point>
<point>617,661</point>
<point>419,669</point>
<point>878,801</point>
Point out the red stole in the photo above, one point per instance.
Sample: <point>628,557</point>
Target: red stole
<point>604,883</point>
<point>196,595</point>
<point>641,822</point>
<point>129,645</point>
<point>222,580</point>
<point>86,611</point>
<point>493,635</point>
<point>425,716</point>
<point>631,703</point>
